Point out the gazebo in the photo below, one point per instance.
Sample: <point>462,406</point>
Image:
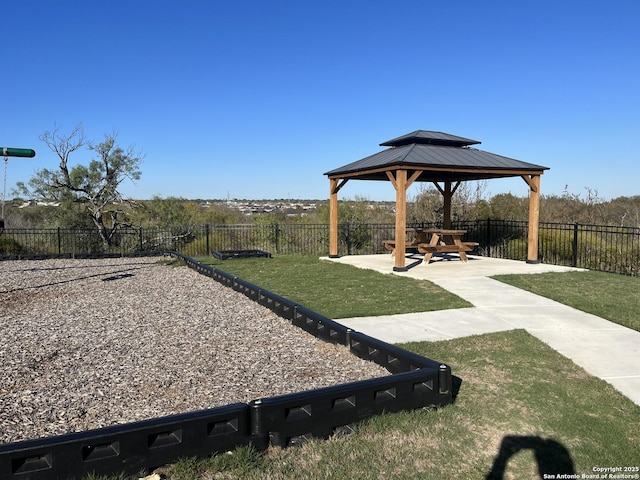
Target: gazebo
<point>446,161</point>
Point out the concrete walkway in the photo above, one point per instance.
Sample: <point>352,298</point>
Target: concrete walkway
<point>604,349</point>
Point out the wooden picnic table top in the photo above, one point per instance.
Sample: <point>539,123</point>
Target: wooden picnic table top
<point>441,231</point>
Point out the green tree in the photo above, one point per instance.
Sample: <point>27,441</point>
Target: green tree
<point>569,207</point>
<point>166,212</point>
<point>468,203</point>
<point>355,218</point>
<point>426,207</point>
<point>94,186</point>
<point>358,211</point>
<point>180,212</point>
<point>506,206</point>
<point>624,211</point>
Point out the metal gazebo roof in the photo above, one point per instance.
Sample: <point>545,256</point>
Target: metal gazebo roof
<point>440,156</point>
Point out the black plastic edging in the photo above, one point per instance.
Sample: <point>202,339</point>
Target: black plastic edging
<point>416,382</point>
<point>227,254</point>
<point>131,447</point>
<point>279,305</point>
<point>321,326</point>
<point>320,412</point>
<point>394,359</point>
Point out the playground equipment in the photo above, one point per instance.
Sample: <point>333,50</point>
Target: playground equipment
<point>11,152</point>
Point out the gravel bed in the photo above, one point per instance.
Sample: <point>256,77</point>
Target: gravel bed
<point>90,343</point>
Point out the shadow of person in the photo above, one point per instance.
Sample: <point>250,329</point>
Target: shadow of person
<point>551,456</point>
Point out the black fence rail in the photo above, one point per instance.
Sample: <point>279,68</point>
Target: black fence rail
<point>596,247</point>
<point>415,382</point>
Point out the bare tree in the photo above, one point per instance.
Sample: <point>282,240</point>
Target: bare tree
<point>95,185</point>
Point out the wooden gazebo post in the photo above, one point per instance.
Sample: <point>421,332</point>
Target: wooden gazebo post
<point>334,188</point>
<point>400,184</point>
<point>534,217</point>
<point>447,194</point>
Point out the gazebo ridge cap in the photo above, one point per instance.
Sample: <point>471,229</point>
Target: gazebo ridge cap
<point>429,137</point>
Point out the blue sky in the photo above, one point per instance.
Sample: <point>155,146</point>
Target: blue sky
<point>256,99</point>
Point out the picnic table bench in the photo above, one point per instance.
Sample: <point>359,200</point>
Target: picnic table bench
<point>420,237</point>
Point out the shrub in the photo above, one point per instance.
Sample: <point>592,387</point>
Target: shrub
<point>556,246</point>
<point>9,246</point>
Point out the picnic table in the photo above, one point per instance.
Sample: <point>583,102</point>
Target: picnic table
<point>445,241</point>
<point>440,241</point>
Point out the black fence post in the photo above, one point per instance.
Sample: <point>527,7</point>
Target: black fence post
<point>277,237</point>
<point>347,237</point>
<point>59,242</point>
<point>575,245</point>
<point>488,237</point>
<point>206,242</point>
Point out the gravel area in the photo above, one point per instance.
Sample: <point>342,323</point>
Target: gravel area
<point>91,343</point>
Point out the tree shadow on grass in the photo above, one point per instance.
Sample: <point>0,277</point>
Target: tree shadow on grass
<point>551,456</point>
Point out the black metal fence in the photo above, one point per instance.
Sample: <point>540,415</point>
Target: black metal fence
<point>597,247</point>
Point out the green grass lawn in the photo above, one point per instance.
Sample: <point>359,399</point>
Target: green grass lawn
<point>337,290</point>
<point>522,409</point>
<point>607,295</point>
